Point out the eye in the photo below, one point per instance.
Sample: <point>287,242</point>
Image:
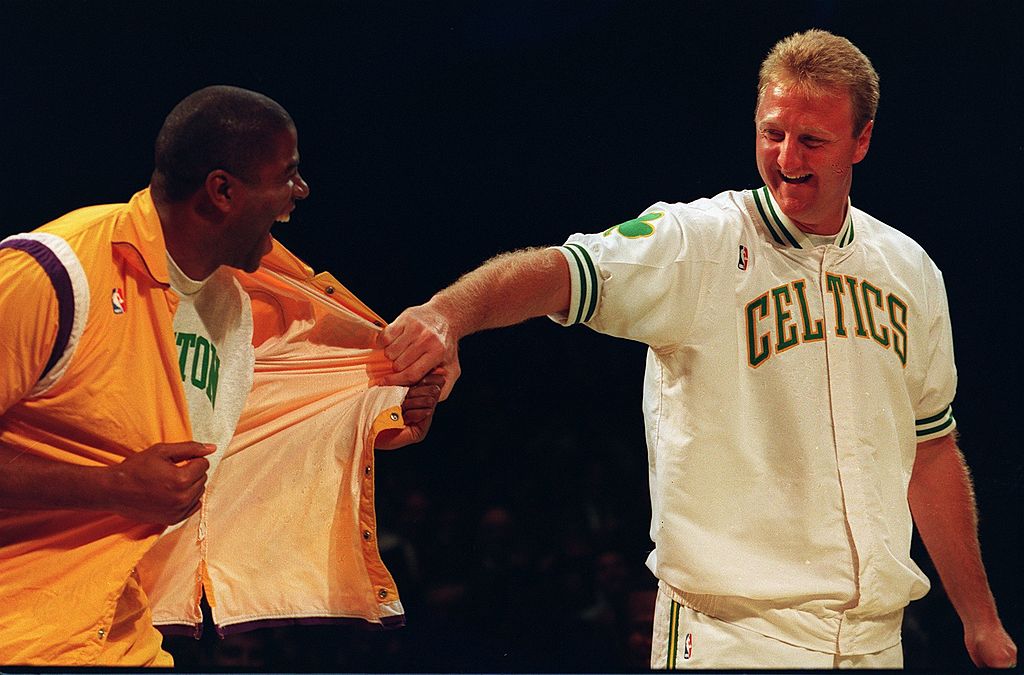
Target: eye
<point>773,135</point>
<point>812,142</point>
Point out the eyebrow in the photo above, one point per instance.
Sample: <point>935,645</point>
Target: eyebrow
<point>816,131</point>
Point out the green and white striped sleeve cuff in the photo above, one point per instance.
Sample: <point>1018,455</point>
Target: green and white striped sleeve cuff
<point>584,289</point>
<point>936,425</point>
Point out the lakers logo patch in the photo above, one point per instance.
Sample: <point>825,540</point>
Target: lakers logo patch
<point>636,228</point>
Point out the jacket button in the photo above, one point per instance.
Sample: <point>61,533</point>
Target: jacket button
<point>367,471</point>
<point>382,593</point>
<point>394,417</point>
<point>102,632</point>
<point>366,535</point>
<point>329,290</point>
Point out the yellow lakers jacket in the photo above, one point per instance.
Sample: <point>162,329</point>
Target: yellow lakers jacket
<point>287,530</point>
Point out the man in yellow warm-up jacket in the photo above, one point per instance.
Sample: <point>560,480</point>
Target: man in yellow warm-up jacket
<point>168,368</point>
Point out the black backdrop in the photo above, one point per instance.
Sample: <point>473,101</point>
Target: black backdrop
<point>436,134</point>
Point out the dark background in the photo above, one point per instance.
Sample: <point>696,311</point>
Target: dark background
<point>436,134</point>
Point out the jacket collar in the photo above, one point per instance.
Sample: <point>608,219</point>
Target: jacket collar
<point>138,227</point>
<point>281,262</point>
<point>784,231</point>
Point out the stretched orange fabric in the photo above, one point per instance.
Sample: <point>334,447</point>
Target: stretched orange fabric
<point>287,531</point>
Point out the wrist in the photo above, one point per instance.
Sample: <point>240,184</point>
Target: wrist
<point>981,619</point>
<point>447,313</point>
<point>107,485</point>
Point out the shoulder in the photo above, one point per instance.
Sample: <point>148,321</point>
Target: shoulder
<point>84,229</point>
<point>887,243</point>
<point>670,232</point>
<point>725,210</point>
<point>73,250</point>
<point>19,265</point>
<point>41,258</point>
<point>78,238</point>
<point>712,226</point>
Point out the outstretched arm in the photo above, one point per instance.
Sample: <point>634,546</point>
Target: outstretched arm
<point>942,503</point>
<point>506,290</point>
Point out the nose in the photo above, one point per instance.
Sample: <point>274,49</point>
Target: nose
<point>300,188</point>
<point>790,155</point>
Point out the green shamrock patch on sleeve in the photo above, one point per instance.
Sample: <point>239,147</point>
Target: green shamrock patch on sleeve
<point>636,228</point>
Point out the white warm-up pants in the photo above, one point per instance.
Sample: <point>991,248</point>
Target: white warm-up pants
<point>686,639</point>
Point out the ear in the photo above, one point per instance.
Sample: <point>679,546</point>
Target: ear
<point>863,141</point>
<point>221,187</point>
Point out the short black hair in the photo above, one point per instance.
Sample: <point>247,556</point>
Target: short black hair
<point>217,127</point>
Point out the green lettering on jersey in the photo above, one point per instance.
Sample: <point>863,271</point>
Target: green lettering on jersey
<point>834,285</point>
<point>857,313</point>
<point>786,335</point>
<point>201,363</point>
<point>758,349</point>
<point>879,317</point>
<point>211,385</point>
<point>805,316</point>
<point>898,319</point>
<point>870,292</point>
<point>636,228</point>
<point>185,342</point>
<point>204,373</point>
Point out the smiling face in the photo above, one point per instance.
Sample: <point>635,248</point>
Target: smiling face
<point>269,199</point>
<point>806,150</point>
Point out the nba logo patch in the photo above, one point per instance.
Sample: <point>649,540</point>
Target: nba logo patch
<point>744,257</point>
<point>688,646</point>
<point>117,301</point>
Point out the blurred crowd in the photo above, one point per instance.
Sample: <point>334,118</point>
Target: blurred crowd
<point>493,586</point>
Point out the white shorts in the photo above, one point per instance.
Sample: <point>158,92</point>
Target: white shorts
<point>685,639</point>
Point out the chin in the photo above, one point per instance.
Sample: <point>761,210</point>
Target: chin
<point>793,207</point>
<point>251,263</point>
<point>255,263</point>
<point>246,266</point>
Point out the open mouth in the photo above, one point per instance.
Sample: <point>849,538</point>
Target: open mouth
<point>285,216</point>
<point>795,180</point>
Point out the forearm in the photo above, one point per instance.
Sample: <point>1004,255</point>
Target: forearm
<point>942,503</point>
<point>161,484</point>
<point>506,290</point>
<point>31,482</point>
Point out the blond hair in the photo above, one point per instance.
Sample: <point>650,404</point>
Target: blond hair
<point>817,61</point>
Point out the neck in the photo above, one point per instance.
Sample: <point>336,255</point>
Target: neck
<point>182,229</point>
<point>829,227</point>
<point>823,230</point>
